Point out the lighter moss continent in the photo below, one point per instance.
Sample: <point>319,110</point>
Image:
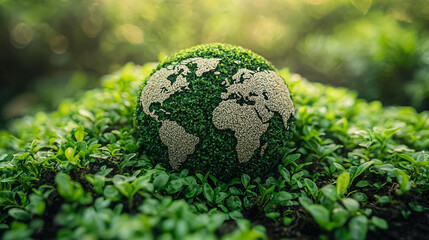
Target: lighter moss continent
<point>215,108</point>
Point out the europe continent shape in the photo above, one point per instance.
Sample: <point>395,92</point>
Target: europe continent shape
<point>247,101</point>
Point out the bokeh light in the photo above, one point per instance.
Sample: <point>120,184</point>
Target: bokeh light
<point>378,48</point>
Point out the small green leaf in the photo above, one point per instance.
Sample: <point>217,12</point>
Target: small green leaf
<point>305,202</point>
<point>208,192</point>
<point>273,215</point>
<point>282,197</point>
<point>220,196</point>
<point>111,193</point>
<point>330,192</point>
<point>161,180</point>
<point>320,214</point>
<point>351,204</point>
<point>407,157</point>
<point>287,221</point>
<point>288,159</point>
<point>3,156</point>
<point>311,186</point>
<point>362,183</point>
<point>234,203</point>
<point>70,155</point>
<point>245,180</point>
<point>383,199</point>
<point>362,5</point>
<point>124,187</point>
<point>403,180</point>
<point>360,197</point>
<point>19,214</point>
<point>389,132</point>
<point>343,182</point>
<point>362,168</point>
<point>285,173</point>
<point>358,227</point>
<point>340,216</point>
<point>235,215</point>
<point>63,181</point>
<point>380,222</point>
<point>86,114</point>
<point>80,133</point>
<point>37,204</point>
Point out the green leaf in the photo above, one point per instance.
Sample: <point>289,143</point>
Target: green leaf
<point>282,197</point>
<point>208,192</point>
<point>285,173</point>
<point>351,204</point>
<point>288,159</point>
<point>362,5</point>
<point>305,202</point>
<point>343,183</point>
<point>220,196</point>
<point>273,215</point>
<point>19,214</point>
<point>123,186</point>
<point>362,183</point>
<point>407,157</point>
<point>79,133</point>
<point>358,227</point>
<point>330,192</point>
<point>360,197</point>
<point>287,221</point>
<point>3,156</point>
<point>235,215</point>
<point>111,193</point>
<point>320,214</point>
<point>245,180</point>
<point>383,199</point>
<point>64,185</point>
<point>70,155</point>
<point>234,203</point>
<point>362,168</point>
<point>340,216</point>
<point>87,114</point>
<point>403,180</point>
<point>37,204</point>
<point>161,181</point>
<point>175,186</point>
<point>380,222</point>
<point>312,187</point>
<point>389,132</point>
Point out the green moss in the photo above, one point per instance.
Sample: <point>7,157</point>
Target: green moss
<point>192,109</point>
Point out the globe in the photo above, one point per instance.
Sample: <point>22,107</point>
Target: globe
<point>217,108</point>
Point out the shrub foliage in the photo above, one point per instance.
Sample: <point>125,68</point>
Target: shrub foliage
<point>355,170</point>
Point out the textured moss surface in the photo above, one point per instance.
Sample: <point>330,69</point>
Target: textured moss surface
<point>192,109</point>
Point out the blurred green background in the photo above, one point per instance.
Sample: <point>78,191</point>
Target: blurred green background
<point>55,49</point>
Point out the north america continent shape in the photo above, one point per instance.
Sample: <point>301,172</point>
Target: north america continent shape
<point>158,89</point>
<point>247,106</point>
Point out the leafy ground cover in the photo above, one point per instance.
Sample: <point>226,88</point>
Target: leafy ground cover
<point>355,170</point>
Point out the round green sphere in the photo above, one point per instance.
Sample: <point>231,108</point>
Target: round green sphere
<point>217,108</point>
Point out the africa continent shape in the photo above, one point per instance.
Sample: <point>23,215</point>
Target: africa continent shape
<point>263,92</point>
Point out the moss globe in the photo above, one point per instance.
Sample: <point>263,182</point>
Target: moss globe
<point>217,108</point>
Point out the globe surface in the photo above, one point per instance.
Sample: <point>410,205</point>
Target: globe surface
<point>216,108</point>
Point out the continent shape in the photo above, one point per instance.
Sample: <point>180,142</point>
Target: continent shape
<point>159,88</point>
<point>245,124</point>
<point>249,103</point>
<point>180,143</point>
